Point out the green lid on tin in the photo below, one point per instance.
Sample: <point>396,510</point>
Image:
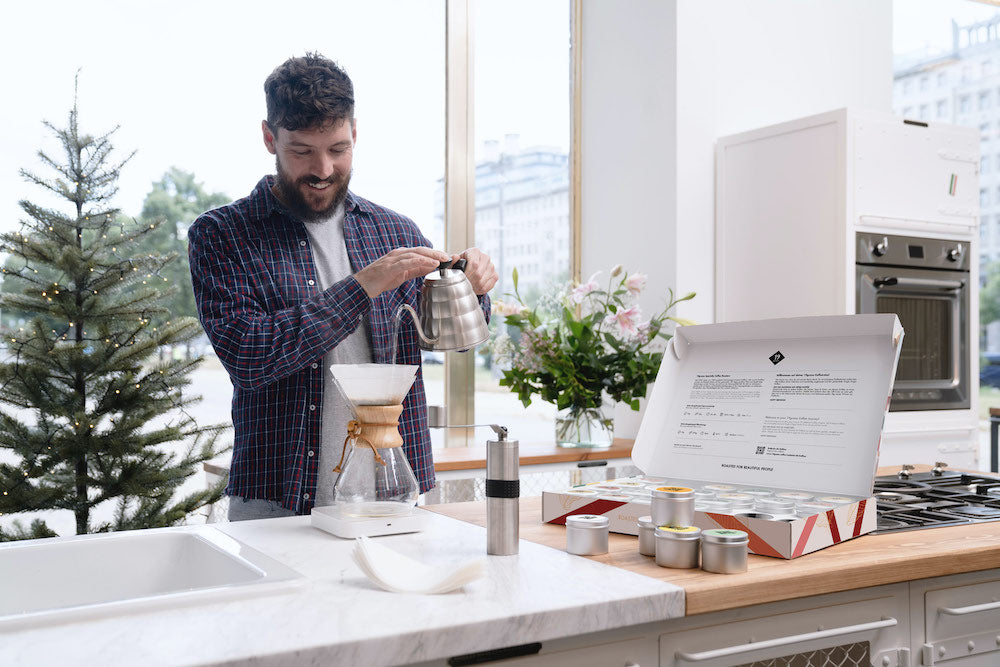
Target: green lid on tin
<point>725,535</point>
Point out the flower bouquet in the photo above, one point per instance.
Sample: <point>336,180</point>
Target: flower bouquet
<point>579,345</point>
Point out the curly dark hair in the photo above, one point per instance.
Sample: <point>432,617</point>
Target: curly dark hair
<point>308,92</point>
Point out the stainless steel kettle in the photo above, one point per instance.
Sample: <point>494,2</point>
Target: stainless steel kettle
<point>450,316</point>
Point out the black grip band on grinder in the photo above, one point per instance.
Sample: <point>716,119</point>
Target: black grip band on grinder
<point>503,488</point>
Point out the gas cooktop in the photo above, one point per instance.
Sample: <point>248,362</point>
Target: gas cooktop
<point>911,501</point>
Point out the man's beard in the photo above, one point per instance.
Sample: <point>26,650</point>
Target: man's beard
<point>292,197</point>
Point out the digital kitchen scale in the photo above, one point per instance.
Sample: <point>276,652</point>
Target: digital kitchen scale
<point>331,520</point>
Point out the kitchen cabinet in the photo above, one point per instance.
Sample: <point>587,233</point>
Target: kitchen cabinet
<point>951,620</point>
<point>956,620</point>
<point>870,626</point>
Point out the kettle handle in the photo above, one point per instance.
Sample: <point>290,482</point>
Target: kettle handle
<point>457,266</point>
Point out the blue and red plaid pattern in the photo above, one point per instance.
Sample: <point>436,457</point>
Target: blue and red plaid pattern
<point>270,323</point>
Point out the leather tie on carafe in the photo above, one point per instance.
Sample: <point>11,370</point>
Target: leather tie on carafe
<point>354,432</point>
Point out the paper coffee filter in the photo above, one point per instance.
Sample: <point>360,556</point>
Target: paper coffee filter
<point>374,384</point>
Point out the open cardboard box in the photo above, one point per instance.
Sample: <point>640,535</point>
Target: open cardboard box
<point>792,404</point>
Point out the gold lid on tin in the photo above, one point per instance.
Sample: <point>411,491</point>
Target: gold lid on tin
<point>674,489</point>
<point>681,530</point>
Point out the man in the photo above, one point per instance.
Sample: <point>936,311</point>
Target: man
<point>302,274</point>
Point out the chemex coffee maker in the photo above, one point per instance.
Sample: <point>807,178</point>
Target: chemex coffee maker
<point>376,491</point>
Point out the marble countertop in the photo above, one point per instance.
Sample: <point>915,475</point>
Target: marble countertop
<point>336,616</point>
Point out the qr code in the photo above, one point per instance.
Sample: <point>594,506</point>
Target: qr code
<point>760,450</point>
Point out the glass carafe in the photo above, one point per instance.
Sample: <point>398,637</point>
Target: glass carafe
<point>376,479</point>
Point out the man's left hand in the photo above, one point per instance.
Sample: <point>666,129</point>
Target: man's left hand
<point>479,270</point>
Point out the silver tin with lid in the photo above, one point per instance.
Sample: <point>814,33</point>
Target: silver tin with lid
<point>587,534</point>
<point>775,505</point>
<point>647,540</point>
<point>677,546</point>
<point>713,505</point>
<point>724,550</point>
<point>672,506</point>
<point>740,501</point>
<point>795,496</point>
<point>751,514</point>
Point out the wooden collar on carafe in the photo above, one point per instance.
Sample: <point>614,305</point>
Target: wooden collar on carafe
<point>374,429</point>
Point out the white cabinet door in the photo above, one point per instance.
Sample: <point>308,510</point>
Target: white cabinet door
<point>866,628</point>
<point>960,619</point>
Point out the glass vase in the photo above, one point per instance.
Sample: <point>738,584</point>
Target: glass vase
<point>584,427</point>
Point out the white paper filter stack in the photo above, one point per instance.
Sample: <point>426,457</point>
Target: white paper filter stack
<point>397,573</point>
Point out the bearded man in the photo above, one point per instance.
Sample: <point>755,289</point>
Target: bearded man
<point>302,274</point>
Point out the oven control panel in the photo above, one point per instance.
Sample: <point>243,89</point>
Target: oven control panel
<point>893,250</point>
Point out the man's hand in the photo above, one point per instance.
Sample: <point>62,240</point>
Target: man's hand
<point>479,270</point>
<point>397,266</point>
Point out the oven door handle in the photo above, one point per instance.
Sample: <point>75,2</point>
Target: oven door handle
<point>925,283</point>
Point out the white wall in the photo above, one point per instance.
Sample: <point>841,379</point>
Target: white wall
<point>663,79</point>
<point>628,176</point>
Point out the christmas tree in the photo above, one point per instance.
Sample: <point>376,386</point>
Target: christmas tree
<point>89,412</point>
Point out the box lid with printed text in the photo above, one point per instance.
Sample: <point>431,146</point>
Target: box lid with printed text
<point>785,403</point>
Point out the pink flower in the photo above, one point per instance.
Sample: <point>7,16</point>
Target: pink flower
<point>627,319</point>
<point>580,292</point>
<point>635,283</point>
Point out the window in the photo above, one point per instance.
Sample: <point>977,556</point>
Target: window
<point>963,104</point>
<point>984,164</point>
<point>984,100</point>
<point>942,79</point>
<point>924,82</point>
<point>522,184</point>
<point>984,198</point>
<point>924,114</point>
<point>942,108</point>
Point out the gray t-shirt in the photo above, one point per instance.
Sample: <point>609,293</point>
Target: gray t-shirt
<point>326,238</point>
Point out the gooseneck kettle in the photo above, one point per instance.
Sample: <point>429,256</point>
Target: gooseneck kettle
<point>450,316</point>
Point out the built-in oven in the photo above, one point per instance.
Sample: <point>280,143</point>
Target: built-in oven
<point>926,283</point>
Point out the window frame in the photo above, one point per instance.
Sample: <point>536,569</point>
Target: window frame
<point>460,185</point>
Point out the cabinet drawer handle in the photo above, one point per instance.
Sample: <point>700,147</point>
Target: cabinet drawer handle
<point>785,641</point>
<point>974,609</point>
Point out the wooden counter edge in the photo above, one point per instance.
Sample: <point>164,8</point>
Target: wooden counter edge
<point>869,560</point>
<point>473,458</point>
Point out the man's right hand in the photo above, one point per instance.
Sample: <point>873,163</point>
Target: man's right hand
<point>397,266</point>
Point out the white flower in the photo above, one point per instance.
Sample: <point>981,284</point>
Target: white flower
<point>508,307</point>
<point>503,349</point>
<point>636,283</point>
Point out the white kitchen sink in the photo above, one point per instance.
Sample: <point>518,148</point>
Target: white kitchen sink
<point>69,578</point>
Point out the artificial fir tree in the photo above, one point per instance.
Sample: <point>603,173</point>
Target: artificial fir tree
<point>87,408</point>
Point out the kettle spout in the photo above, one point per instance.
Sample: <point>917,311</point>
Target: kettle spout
<point>426,342</point>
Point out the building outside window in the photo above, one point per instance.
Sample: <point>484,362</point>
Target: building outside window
<point>964,48</point>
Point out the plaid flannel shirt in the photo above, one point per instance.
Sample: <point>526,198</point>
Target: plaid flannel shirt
<point>260,303</point>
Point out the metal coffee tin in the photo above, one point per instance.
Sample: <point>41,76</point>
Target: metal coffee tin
<point>672,506</point>
<point>738,500</point>
<point>587,534</point>
<point>751,514</point>
<point>795,496</point>
<point>647,540</point>
<point>677,546</point>
<point>775,505</point>
<point>724,551</point>
<point>834,500</point>
<point>713,505</point>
